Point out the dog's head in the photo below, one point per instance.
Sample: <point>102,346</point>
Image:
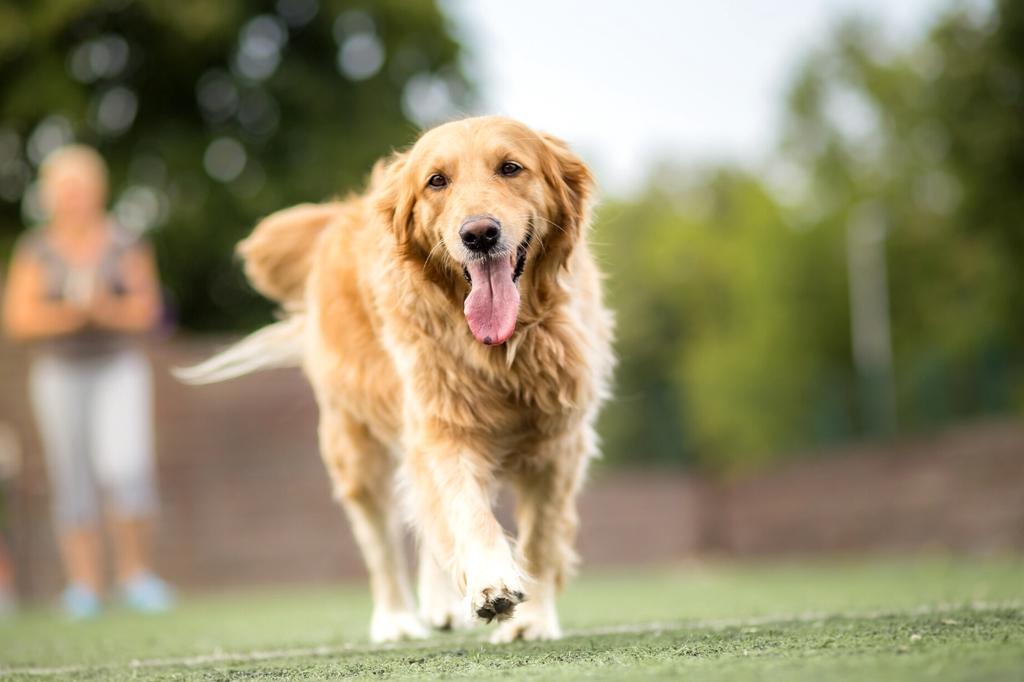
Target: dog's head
<point>486,200</point>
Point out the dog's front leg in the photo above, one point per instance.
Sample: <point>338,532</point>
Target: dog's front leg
<point>450,489</point>
<point>546,489</point>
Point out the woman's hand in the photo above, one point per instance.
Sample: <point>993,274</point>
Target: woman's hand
<point>105,310</point>
<point>136,310</point>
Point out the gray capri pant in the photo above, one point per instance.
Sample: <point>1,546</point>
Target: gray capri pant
<point>95,416</point>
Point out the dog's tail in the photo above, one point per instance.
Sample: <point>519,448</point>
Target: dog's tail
<point>276,345</point>
<point>278,257</point>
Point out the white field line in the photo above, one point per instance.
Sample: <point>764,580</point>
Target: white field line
<point>651,628</point>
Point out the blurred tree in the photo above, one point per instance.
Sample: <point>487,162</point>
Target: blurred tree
<point>732,325</point>
<point>930,141</point>
<point>732,292</point>
<point>979,97</point>
<point>213,114</point>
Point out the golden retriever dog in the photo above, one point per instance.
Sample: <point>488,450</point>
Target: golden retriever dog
<point>451,323</point>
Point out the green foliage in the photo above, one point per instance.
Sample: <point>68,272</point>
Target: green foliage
<point>927,138</point>
<point>733,293</point>
<point>262,77</point>
<point>736,317</point>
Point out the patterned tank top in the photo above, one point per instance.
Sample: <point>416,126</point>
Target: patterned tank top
<point>73,283</point>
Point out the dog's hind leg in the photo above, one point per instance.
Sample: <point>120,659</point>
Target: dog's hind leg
<point>362,471</point>
<point>441,604</point>
<point>547,520</point>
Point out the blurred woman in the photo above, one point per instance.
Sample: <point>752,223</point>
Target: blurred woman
<point>82,290</point>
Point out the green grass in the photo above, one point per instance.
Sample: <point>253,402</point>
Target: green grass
<point>928,619</point>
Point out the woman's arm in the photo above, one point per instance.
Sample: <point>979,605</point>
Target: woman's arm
<point>138,308</point>
<point>28,314</point>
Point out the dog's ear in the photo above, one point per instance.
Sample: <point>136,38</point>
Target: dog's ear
<point>572,187</point>
<point>394,196</point>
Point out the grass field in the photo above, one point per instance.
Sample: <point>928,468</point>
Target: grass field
<point>928,619</point>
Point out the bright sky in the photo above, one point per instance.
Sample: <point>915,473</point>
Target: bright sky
<point>627,82</point>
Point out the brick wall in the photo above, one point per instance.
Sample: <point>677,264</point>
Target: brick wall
<point>246,501</point>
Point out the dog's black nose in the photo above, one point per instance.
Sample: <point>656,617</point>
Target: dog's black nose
<point>480,233</point>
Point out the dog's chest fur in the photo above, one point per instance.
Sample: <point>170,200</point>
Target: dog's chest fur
<point>537,385</point>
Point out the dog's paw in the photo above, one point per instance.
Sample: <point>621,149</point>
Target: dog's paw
<point>493,586</point>
<point>441,605</point>
<point>531,623</point>
<point>496,601</point>
<point>396,626</point>
<point>445,614</point>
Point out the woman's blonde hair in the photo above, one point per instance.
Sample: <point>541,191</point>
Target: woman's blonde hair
<point>69,155</point>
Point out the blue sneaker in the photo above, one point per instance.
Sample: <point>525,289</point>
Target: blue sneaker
<point>148,594</point>
<point>80,603</point>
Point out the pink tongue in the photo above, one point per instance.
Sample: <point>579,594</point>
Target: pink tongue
<point>493,303</point>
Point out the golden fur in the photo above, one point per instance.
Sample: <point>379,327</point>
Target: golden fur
<point>406,392</point>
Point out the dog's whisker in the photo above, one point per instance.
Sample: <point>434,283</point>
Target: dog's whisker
<point>433,250</point>
<point>553,224</point>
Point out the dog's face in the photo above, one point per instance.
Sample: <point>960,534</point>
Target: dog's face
<point>484,199</point>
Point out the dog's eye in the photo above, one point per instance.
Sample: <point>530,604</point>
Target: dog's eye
<point>510,168</point>
<point>437,181</point>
